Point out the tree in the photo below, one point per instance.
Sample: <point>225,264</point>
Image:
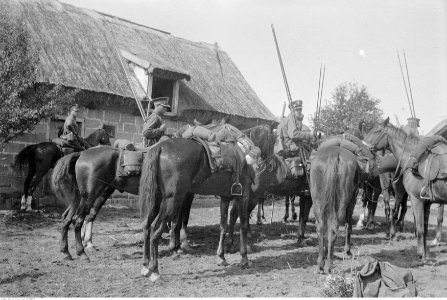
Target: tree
<point>350,104</point>
<point>23,101</point>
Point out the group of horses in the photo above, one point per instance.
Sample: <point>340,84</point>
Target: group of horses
<point>174,170</point>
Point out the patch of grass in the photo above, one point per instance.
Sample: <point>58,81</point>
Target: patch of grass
<point>338,285</point>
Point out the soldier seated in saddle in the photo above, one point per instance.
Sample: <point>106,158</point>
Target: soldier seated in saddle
<point>154,129</point>
<point>293,134</point>
<point>71,131</point>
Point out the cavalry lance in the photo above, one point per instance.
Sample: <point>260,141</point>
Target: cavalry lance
<point>289,97</point>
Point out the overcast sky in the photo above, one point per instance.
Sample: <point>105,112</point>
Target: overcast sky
<point>357,40</point>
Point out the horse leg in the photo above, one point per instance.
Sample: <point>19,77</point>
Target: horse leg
<point>348,228</point>
<point>260,214</point>
<point>321,246</point>
<point>286,215</point>
<point>332,235</point>
<point>151,213</point>
<point>403,211</point>
<point>364,203</point>
<point>292,205</point>
<point>305,206</point>
<point>440,219</point>
<point>67,218</point>
<point>26,186</point>
<point>78,220</point>
<point>157,228</point>
<point>386,201</point>
<point>224,203</point>
<point>185,212</point>
<point>418,211</point>
<point>243,205</point>
<point>233,218</point>
<point>86,231</point>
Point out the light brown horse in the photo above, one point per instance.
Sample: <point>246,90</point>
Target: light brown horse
<point>334,180</point>
<point>387,136</point>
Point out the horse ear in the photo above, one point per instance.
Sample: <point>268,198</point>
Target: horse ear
<point>387,120</point>
<point>102,126</point>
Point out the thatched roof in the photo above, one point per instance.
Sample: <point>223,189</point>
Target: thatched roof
<point>77,49</point>
<point>440,129</point>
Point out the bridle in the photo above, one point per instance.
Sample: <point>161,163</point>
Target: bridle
<point>382,134</point>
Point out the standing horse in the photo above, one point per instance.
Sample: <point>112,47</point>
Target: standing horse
<point>387,136</point>
<point>334,179</point>
<point>271,178</point>
<point>42,157</point>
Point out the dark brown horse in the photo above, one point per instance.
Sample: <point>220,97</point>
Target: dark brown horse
<point>173,171</point>
<point>386,136</point>
<point>334,178</point>
<point>42,157</point>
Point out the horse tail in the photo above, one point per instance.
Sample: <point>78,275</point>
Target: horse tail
<point>148,180</point>
<point>63,178</point>
<point>329,187</point>
<point>23,158</point>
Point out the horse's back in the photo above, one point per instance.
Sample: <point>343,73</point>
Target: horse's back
<point>97,162</point>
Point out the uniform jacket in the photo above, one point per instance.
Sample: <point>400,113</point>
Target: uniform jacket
<point>293,131</point>
<point>151,129</point>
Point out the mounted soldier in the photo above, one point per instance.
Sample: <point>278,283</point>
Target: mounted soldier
<point>293,133</point>
<point>154,128</point>
<point>71,132</point>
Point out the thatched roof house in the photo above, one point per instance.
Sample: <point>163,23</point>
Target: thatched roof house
<point>79,48</point>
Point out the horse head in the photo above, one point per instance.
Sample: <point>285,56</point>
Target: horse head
<point>377,138</point>
<point>263,137</point>
<point>99,137</point>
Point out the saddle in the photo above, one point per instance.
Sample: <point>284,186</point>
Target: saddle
<point>223,157</point>
<point>64,145</point>
<point>429,161</point>
<point>224,133</point>
<point>429,158</point>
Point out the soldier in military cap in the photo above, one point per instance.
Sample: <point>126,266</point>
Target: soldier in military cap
<point>154,128</point>
<point>293,131</point>
<point>71,130</point>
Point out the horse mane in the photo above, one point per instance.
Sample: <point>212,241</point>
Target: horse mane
<point>401,133</point>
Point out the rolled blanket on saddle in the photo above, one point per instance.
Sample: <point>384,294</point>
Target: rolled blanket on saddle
<point>225,133</point>
<point>365,158</point>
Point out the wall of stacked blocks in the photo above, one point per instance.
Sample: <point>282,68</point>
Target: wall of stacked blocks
<point>127,126</point>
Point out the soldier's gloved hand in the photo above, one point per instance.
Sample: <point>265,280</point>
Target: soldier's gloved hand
<point>163,127</point>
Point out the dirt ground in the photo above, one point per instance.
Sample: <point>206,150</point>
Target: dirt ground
<point>31,265</point>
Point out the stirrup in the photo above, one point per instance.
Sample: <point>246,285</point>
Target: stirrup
<point>236,189</point>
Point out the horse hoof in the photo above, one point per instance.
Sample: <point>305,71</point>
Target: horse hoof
<point>301,242</point>
<point>285,220</point>
<point>84,257</point>
<point>67,257</point>
<point>259,222</point>
<point>155,277</point>
<point>348,253</point>
<point>90,247</point>
<point>222,263</point>
<point>318,270</point>
<point>245,263</point>
<point>294,217</point>
<point>186,247</point>
<point>145,272</point>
